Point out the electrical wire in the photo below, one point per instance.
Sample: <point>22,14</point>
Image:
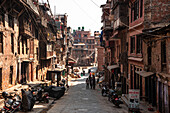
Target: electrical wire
<point>129,26</point>
<point>85,12</point>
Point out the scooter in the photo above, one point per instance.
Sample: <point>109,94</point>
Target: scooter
<point>104,90</point>
<point>40,96</point>
<point>115,100</point>
<point>11,103</point>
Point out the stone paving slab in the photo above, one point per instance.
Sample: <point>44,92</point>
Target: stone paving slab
<point>82,100</point>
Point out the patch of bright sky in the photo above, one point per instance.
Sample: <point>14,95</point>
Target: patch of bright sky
<point>80,13</point>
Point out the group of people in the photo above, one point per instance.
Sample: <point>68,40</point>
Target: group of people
<point>91,81</point>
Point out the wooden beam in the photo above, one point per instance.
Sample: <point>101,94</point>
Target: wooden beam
<point>2,3</point>
<point>22,11</point>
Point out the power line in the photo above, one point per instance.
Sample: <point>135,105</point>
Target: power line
<point>85,12</point>
<point>128,25</point>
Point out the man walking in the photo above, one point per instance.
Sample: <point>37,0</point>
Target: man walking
<point>94,81</point>
<point>90,79</point>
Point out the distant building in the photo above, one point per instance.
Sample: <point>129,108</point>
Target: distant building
<point>84,47</point>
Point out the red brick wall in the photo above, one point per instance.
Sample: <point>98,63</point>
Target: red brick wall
<point>8,58</point>
<point>157,13</point>
<point>100,58</point>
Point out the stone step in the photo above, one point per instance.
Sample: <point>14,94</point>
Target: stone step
<point>125,100</point>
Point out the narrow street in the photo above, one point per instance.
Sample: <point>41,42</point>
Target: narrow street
<point>82,100</point>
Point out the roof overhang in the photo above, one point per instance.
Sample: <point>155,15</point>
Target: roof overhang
<point>144,73</point>
<point>112,67</point>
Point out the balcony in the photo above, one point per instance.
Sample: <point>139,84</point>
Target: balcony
<point>107,25</point>
<point>25,29</point>
<point>32,5</point>
<point>117,24</point>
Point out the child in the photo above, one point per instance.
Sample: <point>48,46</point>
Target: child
<point>87,83</point>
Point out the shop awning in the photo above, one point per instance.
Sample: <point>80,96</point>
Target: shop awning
<point>144,73</point>
<point>136,59</point>
<point>165,75</point>
<point>112,67</point>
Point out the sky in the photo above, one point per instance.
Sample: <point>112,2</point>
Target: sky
<point>80,13</point>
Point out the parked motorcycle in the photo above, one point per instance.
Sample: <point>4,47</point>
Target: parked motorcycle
<point>40,96</point>
<point>104,90</point>
<point>12,103</point>
<point>113,97</point>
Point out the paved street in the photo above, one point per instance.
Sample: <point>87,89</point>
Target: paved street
<point>82,100</point>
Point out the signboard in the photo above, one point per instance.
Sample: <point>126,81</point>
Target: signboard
<point>134,98</point>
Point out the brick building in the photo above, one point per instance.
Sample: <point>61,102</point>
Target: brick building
<point>107,30</point>
<point>138,48</point>
<point>156,52</point>
<point>84,47</point>
<point>29,41</point>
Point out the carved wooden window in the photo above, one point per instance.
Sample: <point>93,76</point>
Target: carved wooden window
<point>136,9</point>
<point>132,49</point>
<point>2,18</point>
<point>12,42</point>
<point>11,21</point>
<point>141,8</point>
<point>139,44</point>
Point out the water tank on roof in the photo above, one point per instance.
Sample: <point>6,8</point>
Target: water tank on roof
<point>83,28</point>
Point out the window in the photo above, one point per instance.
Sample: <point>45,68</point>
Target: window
<point>2,18</point>
<point>12,42</point>
<point>141,8</point>
<point>37,53</point>
<point>11,75</point>
<point>18,46</point>
<point>11,21</point>
<point>139,44</point>
<point>163,55</point>
<point>85,35</point>
<point>149,55</point>
<point>132,49</point>
<point>22,46</point>
<point>26,46</point>
<point>79,35</point>
<point>1,42</point>
<point>132,9</point>
<point>76,46</point>
<point>136,9</point>
<point>81,46</point>
<point>131,76</point>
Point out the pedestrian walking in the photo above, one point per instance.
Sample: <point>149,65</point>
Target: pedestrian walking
<point>90,80</point>
<point>87,83</point>
<point>94,82</point>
